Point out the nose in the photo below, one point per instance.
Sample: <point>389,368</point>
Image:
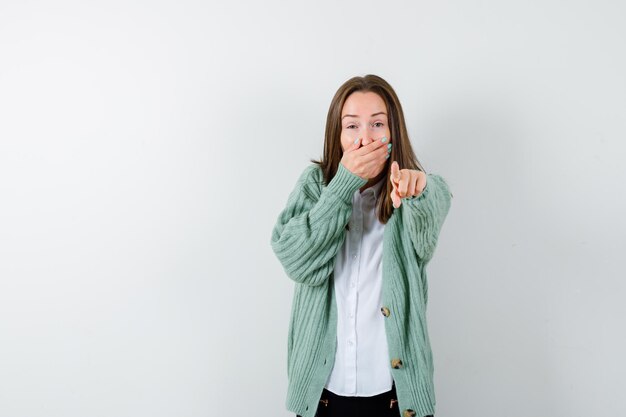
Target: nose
<point>368,137</point>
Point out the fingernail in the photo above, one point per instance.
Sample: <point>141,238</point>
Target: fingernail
<point>356,141</point>
<point>384,139</point>
<point>387,157</point>
<point>389,146</point>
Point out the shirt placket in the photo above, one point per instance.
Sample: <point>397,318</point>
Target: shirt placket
<point>356,237</point>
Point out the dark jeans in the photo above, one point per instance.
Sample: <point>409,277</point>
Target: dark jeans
<point>381,405</point>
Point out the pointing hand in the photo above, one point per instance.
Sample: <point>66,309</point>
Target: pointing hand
<point>405,183</point>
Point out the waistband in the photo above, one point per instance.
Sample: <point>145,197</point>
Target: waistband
<point>374,398</point>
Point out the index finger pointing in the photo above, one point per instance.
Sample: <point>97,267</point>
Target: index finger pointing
<point>395,171</point>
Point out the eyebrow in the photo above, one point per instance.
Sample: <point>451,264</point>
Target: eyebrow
<point>354,115</point>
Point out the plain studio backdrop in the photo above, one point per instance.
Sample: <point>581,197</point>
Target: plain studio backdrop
<point>147,149</point>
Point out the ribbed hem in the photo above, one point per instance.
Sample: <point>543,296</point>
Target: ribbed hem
<point>345,183</point>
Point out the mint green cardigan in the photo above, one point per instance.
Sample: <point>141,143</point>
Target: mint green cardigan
<point>306,238</point>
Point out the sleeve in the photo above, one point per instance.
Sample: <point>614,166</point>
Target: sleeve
<point>311,228</point>
<point>423,215</point>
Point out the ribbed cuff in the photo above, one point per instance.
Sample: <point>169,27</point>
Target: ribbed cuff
<point>345,183</point>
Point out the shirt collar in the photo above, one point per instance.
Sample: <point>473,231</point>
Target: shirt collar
<point>373,189</point>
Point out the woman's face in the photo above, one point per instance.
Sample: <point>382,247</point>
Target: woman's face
<point>364,116</point>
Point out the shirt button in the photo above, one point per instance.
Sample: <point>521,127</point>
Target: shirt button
<point>409,413</point>
<point>351,315</point>
<point>396,363</point>
<point>385,311</point>
<point>350,342</point>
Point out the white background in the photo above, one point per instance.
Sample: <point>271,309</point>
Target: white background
<point>146,149</point>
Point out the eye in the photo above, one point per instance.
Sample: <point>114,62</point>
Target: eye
<point>348,127</point>
<point>379,123</point>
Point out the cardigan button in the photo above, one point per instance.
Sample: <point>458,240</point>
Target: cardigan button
<point>409,413</point>
<point>385,311</point>
<point>396,363</point>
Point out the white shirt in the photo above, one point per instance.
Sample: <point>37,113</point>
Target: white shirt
<point>362,365</point>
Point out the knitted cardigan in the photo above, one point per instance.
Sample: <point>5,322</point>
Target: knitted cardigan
<point>306,238</point>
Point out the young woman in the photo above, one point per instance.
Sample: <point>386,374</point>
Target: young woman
<point>356,234</point>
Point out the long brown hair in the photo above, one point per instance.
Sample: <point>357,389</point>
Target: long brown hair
<point>402,150</point>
